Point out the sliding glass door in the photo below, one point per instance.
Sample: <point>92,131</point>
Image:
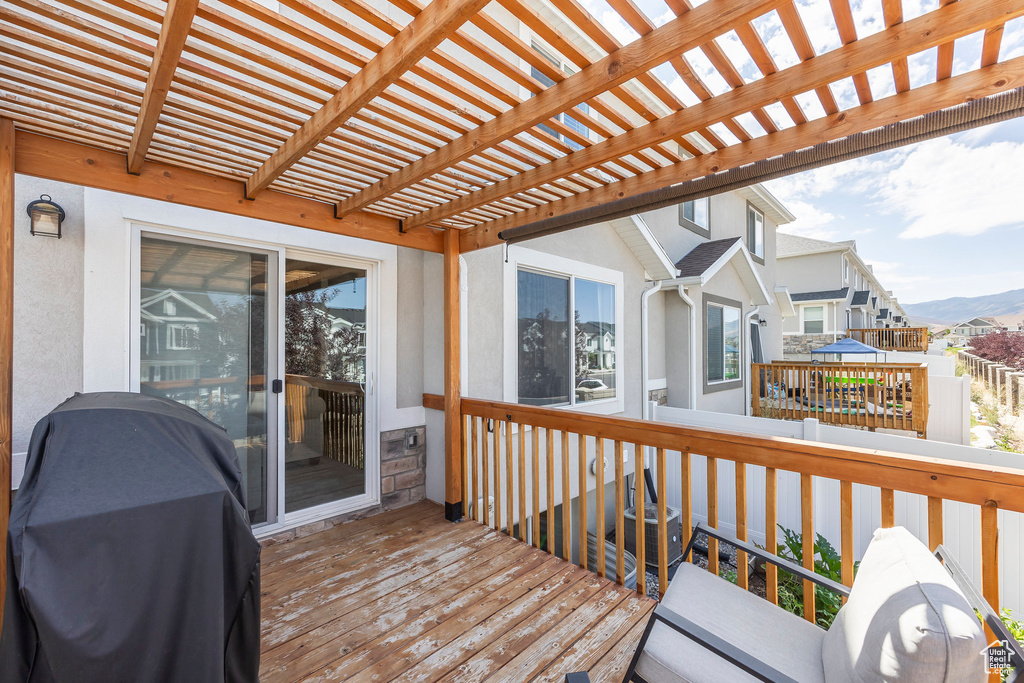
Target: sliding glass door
<point>218,324</point>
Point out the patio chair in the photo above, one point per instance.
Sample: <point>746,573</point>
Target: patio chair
<point>910,616</point>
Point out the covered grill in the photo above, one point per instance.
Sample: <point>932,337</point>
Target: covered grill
<point>130,556</point>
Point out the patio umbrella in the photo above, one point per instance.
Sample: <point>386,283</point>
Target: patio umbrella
<point>848,346</point>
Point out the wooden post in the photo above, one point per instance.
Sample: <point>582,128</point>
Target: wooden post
<point>453,503</point>
<point>6,335</point>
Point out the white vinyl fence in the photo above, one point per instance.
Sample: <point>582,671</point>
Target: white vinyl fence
<point>961,522</point>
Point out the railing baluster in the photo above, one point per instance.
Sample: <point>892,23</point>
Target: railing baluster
<point>581,453</point>
<point>990,558</point>
<point>888,509</point>
<point>485,471</point>
<point>496,446</point>
<point>686,502</point>
<point>550,497</point>
<point>474,491</point>
<point>934,522</point>
<point>599,508</point>
<point>639,482</point>
<point>465,467</point>
<point>566,497</point>
<point>741,522</point>
<point>712,477</point>
<point>510,491</point>
<point>807,529</point>
<point>535,488</point>
<point>620,540</point>
<point>662,525</point>
<point>771,531</point>
<point>522,482</point>
<point>846,532</point>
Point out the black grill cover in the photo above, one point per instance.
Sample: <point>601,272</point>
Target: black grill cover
<point>130,557</point>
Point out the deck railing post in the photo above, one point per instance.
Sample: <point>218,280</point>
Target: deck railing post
<point>453,503</point>
<point>6,335</point>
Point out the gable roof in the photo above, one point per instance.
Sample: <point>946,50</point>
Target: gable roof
<point>708,258</point>
<point>703,256</point>
<point>645,246</point>
<point>882,314</point>
<point>860,298</point>
<point>827,295</point>
<point>797,245</point>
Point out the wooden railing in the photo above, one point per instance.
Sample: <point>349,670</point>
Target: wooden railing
<point>342,409</point>
<point>872,395</point>
<point>532,459</point>
<point>892,338</point>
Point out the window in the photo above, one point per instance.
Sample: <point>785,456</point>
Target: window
<point>170,307</point>
<point>755,232</point>
<point>722,342</point>
<point>181,337</point>
<point>563,359</point>
<point>846,270</point>
<point>695,215</point>
<point>569,121</point>
<point>814,319</point>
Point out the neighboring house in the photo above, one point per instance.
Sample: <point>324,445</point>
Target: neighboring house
<point>833,290</point>
<point>961,333</point>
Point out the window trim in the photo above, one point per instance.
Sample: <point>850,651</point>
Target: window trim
<point>540,262</point>
<point>695,227</point>
<point>750,234</point>
<point>824,318</point>
<point>711,387</point>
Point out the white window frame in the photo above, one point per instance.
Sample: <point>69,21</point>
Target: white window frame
<point>707,330</point>
<point>824,318</point>
<point>539,262</point>
<point>171,327</point>
<point>752,235</point>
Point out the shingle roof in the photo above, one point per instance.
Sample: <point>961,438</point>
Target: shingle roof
<point>826,295</point>
<point>860,297</point>
<point>792,245</point>
<point>704,256</point>
<point>882,313</point>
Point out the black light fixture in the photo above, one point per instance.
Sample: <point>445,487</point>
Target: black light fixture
<point>47,216</point>
<point>763,323</point>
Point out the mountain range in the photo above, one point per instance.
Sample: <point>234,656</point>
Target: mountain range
<point>956,309</point>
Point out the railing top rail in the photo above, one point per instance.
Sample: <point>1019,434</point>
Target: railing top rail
<point>847,364</point>
<point>960,481</point>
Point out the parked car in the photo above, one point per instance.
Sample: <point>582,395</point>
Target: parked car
<point>593,389</point>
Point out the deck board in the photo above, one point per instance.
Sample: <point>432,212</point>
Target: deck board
<point>407,596</point>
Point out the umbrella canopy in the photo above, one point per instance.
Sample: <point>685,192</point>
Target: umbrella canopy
<point>847,345</point>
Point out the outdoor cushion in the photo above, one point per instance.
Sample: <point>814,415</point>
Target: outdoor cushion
<point>776,637</point>
<point>905,620</point>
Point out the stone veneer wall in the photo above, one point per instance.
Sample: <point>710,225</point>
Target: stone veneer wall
<point>660,396</point>
<point>403,476</point>
<point>806,343</point>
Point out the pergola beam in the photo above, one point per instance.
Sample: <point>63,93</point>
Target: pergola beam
<point>173,33</point>
<point>425,32</point>
<point>916,102</point>
<point>939,26</point>
<point>680,35</point>
<point>6,337</point>
<point>69,162</point>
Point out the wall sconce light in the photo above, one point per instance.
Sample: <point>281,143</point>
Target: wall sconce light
<point>762,323</point>
<point>47,217</point>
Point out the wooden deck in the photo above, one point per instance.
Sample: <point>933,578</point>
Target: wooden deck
<point>407,596</point>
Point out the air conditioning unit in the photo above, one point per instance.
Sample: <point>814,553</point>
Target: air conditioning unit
<point>480,503</point>
<point>675,534</point>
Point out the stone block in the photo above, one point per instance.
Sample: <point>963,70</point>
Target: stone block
<point>309,529</point>
<point>387,484</point>
<point>401,465</point>
<point>407,480</point>
<point>395,500</point>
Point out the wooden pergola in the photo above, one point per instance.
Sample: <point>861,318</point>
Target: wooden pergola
<point>340,116</point>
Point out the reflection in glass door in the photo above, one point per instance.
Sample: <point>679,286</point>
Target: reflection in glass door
<point>325,380</point>
<point>203,342</point>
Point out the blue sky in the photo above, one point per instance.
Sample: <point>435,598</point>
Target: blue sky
<point>938,219</point>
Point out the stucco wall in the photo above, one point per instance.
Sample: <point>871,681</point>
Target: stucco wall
<point>811,273</point>
<point>410,323</point>
<point>47,310</point>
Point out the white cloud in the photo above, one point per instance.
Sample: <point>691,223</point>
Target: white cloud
<point>811,221</point>
<point>946,187</point>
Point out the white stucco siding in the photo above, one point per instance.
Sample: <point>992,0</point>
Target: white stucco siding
<point>811,272</point>
<point>48,276</point>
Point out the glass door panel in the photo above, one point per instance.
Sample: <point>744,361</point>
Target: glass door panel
<point>203,342</point>
<point>325,377</point>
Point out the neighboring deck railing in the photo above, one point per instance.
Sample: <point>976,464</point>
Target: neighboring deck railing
<point>872,395</point>
<point>531,459</point>
<point>892,338</point>
<point>342,416</point>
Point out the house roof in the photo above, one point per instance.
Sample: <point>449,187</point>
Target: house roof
<point>707,259</point>
<point>860,297</point>
<point>798,245</point>
<point>827,295</point>
<point>645,246</point>
<point>882,314</point>
<point>703,256</point>
<point>785,301</point>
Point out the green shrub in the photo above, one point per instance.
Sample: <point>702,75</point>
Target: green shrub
<point>827,563</point>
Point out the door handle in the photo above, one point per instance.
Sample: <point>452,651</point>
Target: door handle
<point>277,386</point>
